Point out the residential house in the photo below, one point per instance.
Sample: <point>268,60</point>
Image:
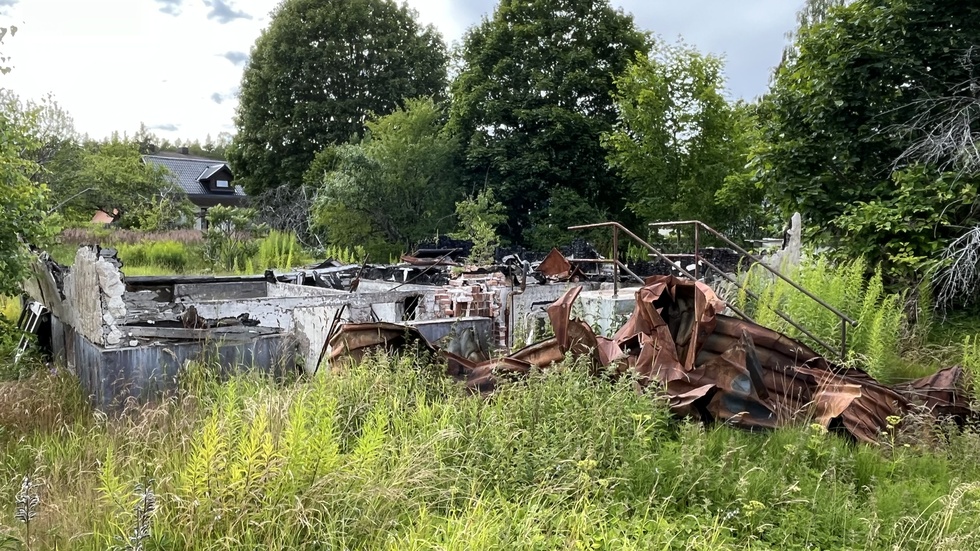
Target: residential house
<point>207,182</point>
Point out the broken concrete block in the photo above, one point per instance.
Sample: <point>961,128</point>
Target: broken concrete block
<point>114,337</point>
<point>109,279</point>
<point>116,307</point>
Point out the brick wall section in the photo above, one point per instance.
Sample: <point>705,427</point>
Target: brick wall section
<point>479,295</point>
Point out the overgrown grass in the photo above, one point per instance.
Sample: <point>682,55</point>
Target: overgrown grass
<point>280,251</point>
<point>180,252</point>
<point>391,455</point>
<point>169,256</point>
<point>10,308</point>
<point>876,343</point>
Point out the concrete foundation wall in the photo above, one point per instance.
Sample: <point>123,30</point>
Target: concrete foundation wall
<point>607,313</point>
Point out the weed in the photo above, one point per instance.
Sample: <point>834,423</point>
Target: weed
<point>874,344</point>
<point>26,503</point>
<point>390,454</point>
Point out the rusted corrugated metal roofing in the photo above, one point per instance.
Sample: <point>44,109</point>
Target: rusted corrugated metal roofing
<point>712,367</point>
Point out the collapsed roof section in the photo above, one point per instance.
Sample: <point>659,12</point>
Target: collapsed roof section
<point>712,367</point>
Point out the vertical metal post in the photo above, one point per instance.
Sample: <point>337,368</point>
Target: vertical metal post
<point>697,249</point>
<point>616,263</point>
<point>843,340</point>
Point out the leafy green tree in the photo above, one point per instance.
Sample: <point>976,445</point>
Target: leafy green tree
<point>532,100</point>
<point>677,140</point>
<point>748,208</point>
<point>812,13</point>
<point>317,73</point>
<point>397,187</point>
<point>479,217</point>
<point>52,141</point>
<point>231,240</point>
<point>114,179</point>
<point>170,209</point>
<point>834,144</point>
<point>22,202</point>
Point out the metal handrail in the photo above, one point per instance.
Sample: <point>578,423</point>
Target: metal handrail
<point>697,224</point>
<point>617,227</point>
<point>743,252</point>
<point>845,319</point>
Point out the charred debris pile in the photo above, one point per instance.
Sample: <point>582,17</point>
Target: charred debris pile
<point>130,337</point>
<point>710,366</point>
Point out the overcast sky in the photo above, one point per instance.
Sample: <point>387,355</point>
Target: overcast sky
<point>176,64</point>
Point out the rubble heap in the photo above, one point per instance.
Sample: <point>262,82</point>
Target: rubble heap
<point>712,367</point>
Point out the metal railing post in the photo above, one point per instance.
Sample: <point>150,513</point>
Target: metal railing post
<point>616,263</point>
<point>697,251</point>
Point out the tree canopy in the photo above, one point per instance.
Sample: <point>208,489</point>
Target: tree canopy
<point>842,119</point>
<point>678,138</point>
<point>317,72</point>
<point>393,189</point>
<point>533,99</point>
<point>114,179</point>
<point>22,202</point>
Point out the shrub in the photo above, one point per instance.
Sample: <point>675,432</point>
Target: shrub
<point>168,254</point>
<point>10,308</point>
<point>230,242</point>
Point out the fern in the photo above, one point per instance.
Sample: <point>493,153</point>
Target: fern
<point>207,459</point>
<point>971,363</point>
<point>367,450</point>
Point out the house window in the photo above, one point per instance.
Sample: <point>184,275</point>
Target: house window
<point>221,183</point>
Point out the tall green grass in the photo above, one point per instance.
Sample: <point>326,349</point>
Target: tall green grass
<point>392,455</point>
<point>346,255</point>
<point>10,308</point>
<point>281,251</point>
<point>170,256</point>
<point>875,344</point>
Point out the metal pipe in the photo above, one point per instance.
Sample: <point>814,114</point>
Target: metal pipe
<point>843,341</point>
<point>776,273</point>
<point>616,263</point>
<point>697,250</point>
<point>622,266</point>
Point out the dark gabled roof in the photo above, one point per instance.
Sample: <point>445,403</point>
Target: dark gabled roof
<point>189,171</point>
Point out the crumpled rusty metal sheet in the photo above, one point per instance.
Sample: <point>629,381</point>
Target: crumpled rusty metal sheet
<point>711,367</point>
<point>555,265</point>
